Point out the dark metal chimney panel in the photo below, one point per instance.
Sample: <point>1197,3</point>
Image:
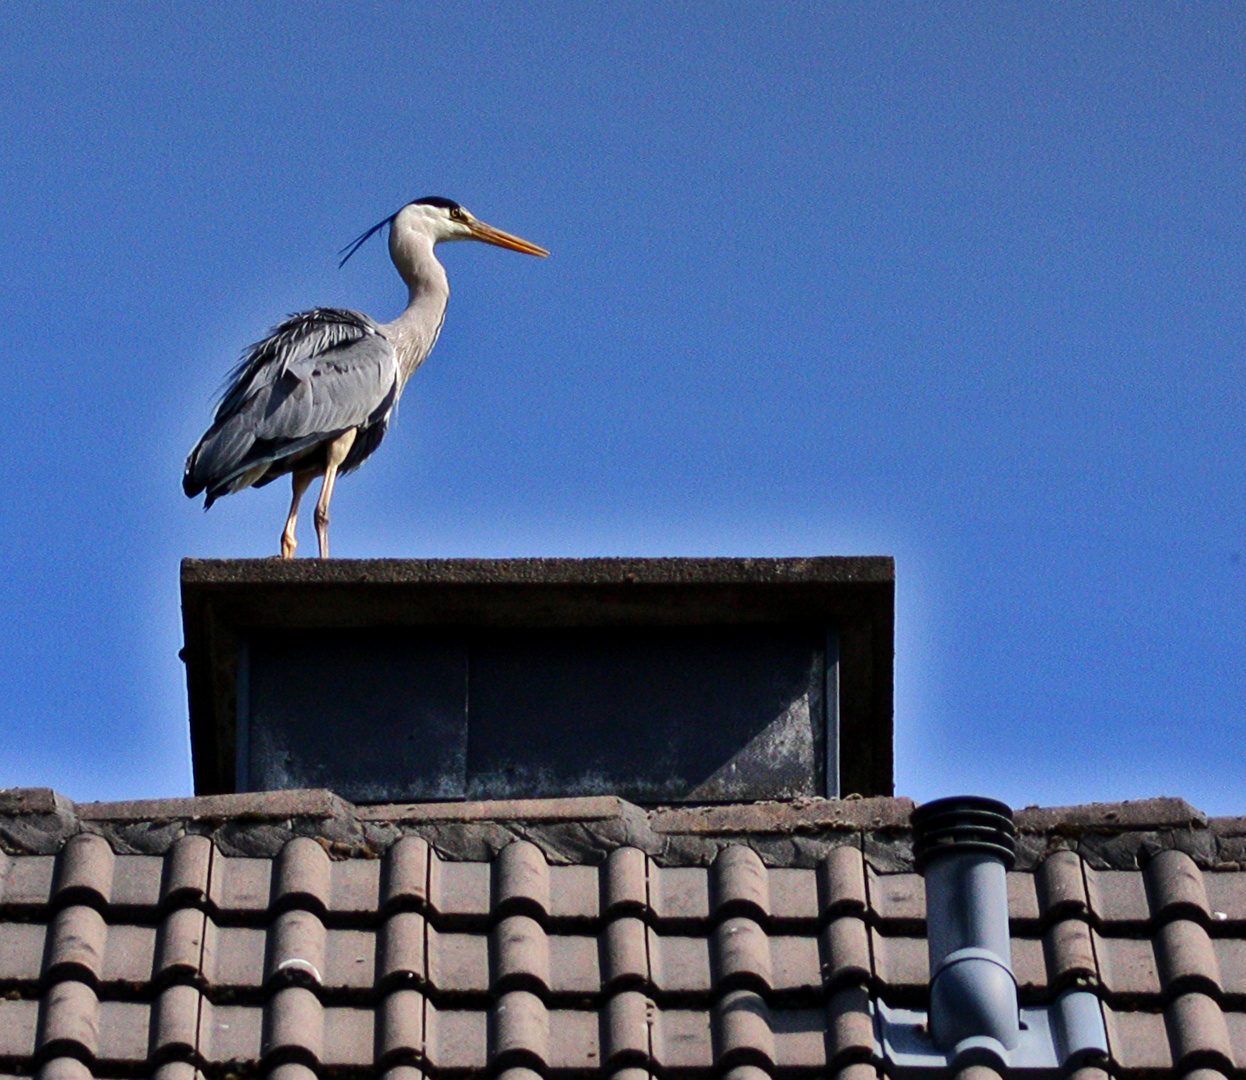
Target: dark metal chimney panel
<point>659,680</point>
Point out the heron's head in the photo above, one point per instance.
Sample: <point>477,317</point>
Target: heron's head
<point>433,219</point>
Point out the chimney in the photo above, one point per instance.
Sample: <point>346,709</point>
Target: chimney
<point>656,680</point>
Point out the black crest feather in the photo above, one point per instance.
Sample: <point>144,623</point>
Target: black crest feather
<point>363,238</point>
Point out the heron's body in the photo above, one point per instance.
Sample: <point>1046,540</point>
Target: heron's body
<point>315,397</point>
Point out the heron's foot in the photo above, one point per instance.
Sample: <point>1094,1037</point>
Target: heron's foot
<point>288,545</point>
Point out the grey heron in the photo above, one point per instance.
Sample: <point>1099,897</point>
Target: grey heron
<point>314,398</point>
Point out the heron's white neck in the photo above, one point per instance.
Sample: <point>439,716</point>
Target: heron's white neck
<point>414,332</point>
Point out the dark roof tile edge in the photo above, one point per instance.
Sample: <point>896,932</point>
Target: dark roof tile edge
<point>797,816</point>
<point>585,830</point>
<point>254,806</point>
<point>35,800</point>
<point>587,808</point>
<point>1164,812</point>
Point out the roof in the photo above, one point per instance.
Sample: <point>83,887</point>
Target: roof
<point>296,932</point>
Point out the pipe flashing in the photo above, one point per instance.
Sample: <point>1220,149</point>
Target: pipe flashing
<point>964,846</point>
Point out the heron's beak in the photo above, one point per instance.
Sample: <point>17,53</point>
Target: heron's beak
<point>490,235</point>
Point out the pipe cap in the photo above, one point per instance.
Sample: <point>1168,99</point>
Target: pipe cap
<point>963,823</point>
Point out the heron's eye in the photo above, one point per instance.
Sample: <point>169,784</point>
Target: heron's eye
<point>456,213</point>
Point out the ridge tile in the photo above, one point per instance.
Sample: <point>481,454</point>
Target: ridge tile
<point>742,1022</point>
<point>77,941</point>
<point>738,877</point>
<point>741,949</point>
<point>296,948</point>
<point>403,939</point>
<point>626,953</point>
<point>293,1024</point>
<point>70,1022</point>
<point>1196,1028</point>
<point>1061,885</point>
<point>625,883</point>
<point>626,1027</point>
<point>521,875</point>
<point>850,1026</point>
<point>181,946</point>
<point>187,871</point>
<point>84,871</point>
<point>519,1025</point>
<point>303,875</point>
<point>175,1022</point>
<point>1069,950</point>
<point>405,873</point>
<point>519,954</point>
<point>1175,886</point>
<point>401,1025</point>
<point>846,951</point>
<point>1186,956</point>
<point>841,881</point>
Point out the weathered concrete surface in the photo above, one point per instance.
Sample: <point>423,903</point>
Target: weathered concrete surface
<point>794,833</point>
<point>665,571</point>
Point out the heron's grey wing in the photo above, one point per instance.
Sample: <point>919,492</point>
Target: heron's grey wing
<point>300,337</point>
<point>317,375</point>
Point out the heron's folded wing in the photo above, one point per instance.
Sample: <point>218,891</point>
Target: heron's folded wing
<point>346,386</point>
<point>317,374</point>
<point>301,337</point>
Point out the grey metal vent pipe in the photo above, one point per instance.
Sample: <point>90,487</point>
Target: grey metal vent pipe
<point>964,846</point>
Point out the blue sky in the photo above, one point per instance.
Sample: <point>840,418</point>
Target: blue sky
<point>961,283</point>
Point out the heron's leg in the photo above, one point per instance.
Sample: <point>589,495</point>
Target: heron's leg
<point>300,481</point>
<point>335,453</point>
